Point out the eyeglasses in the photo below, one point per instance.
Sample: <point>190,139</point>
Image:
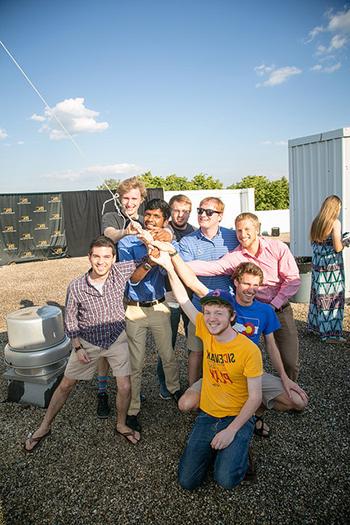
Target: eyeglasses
<point>208,211</point>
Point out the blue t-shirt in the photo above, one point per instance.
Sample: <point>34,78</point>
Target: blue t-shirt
<point>252,321</point>
<point>152,287</point>
<point>197,246</point>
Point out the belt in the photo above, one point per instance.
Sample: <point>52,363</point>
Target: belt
<point>283,307</point>
<point>145,304</point>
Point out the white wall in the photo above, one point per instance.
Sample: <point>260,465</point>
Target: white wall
<point>236,201</point>
<point>274,218</point>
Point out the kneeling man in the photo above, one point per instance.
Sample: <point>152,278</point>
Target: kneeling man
<point>95,322</point>
<point>231,391</point>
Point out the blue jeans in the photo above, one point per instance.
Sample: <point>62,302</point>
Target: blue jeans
<point>230,463</point>
<point>175,316</point>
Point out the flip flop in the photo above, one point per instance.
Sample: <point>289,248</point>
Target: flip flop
<point>126,435</point>
<point>37,441</point>
<point>262,431</point>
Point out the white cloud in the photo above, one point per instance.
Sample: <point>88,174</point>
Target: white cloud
<point>314,32</point>
<point>326,69</point>
<point>37,118</point>
<point>73,115</point>
<point>20,142</point>
<point>275,76</point>
<point>99,173</point>
<point>3,134</point>
<point>274,143</point>
<point>340,21</point>
<point>337,42</point>
<point>263,70</point>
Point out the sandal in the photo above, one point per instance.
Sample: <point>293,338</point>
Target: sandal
<point>127,434</point>
<point>263,430</point>
<point>34,441</point>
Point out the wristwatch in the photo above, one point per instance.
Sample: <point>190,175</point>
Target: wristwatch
<point>172,254</point>
<point>76,348</point>
<point>147,266</point>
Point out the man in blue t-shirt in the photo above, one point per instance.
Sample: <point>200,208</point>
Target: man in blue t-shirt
<point>253,319</point>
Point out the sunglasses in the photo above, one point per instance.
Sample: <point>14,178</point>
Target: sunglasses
<point>208,212</point>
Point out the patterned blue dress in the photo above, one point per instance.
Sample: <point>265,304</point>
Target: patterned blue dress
<point>327,296</point>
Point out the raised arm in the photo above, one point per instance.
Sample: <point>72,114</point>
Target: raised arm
<point>178,288</point>
<point>185,273</point>
<point>223,266</point>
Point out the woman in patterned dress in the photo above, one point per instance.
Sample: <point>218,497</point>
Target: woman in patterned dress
<point>327,297</point>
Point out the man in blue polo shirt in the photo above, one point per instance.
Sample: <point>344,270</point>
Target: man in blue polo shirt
<point>146,308</point>
<point>210,242</point>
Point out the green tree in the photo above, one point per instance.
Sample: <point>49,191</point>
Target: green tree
<point>202,181</point>
<point>269,194</point>
<point>111,183</point>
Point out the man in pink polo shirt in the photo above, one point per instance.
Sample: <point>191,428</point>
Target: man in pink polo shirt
<point>281,281</point>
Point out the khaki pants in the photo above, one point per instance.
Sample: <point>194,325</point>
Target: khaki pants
<point>157,318</point>
<point>288,343</point>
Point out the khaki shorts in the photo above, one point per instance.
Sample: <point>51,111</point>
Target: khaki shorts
<point>117,356</point>
<point>194,344</point>
<point>271,388</point>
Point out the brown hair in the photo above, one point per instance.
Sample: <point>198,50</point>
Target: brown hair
<point>132,184</point>
<point>219,204</point>
<point>247,216</point>
<point>219,303</point>
<point>323,223</point>
<point>248,267</point>
<point>102,241</point>
<point>180,198</point>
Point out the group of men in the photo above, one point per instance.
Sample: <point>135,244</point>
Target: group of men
<point>241,284</point>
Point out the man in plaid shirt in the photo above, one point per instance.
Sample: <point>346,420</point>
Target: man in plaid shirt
<point>95,322</point>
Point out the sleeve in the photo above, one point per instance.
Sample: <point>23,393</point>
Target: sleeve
<point>71,314</point>
<point>112,220</point>
<point>253,366</point>
<point>185,248</point>
<point>125,250</point>
<point>224,266</point>
<point>289,275</point>
<point>127,268</point>
<point>272,321</point>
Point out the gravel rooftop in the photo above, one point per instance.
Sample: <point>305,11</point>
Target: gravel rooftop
<point>84,475</point>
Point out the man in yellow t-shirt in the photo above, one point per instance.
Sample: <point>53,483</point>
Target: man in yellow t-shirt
<point>231,390</point>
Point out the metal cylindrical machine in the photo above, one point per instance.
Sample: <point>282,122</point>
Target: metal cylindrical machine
<point>36,354</point>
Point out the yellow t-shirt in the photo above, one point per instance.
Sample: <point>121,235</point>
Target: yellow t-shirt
<point>226,367</point>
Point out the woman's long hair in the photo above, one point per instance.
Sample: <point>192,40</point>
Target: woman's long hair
<point>322,224</point>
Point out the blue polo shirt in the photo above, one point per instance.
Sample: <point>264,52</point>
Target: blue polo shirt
<point>197,246</point>
<point>152,287</point>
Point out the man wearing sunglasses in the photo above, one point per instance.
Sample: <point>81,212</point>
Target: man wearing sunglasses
<point>210,242</point>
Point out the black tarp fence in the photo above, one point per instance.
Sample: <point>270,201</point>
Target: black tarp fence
<point>37,226</point>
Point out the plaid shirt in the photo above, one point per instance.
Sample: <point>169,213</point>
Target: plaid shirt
<point>99,318</point>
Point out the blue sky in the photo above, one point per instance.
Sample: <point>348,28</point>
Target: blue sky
<point>171,86</point>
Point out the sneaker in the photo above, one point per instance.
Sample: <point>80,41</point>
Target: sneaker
<point>176,395</point>
<point>103,408</point>
<point>164,393</point>
<point>133,423</point>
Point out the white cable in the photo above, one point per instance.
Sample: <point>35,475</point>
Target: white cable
<point>52,113</point>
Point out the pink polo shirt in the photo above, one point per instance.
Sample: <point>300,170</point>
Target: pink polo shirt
<point>281,274</point>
